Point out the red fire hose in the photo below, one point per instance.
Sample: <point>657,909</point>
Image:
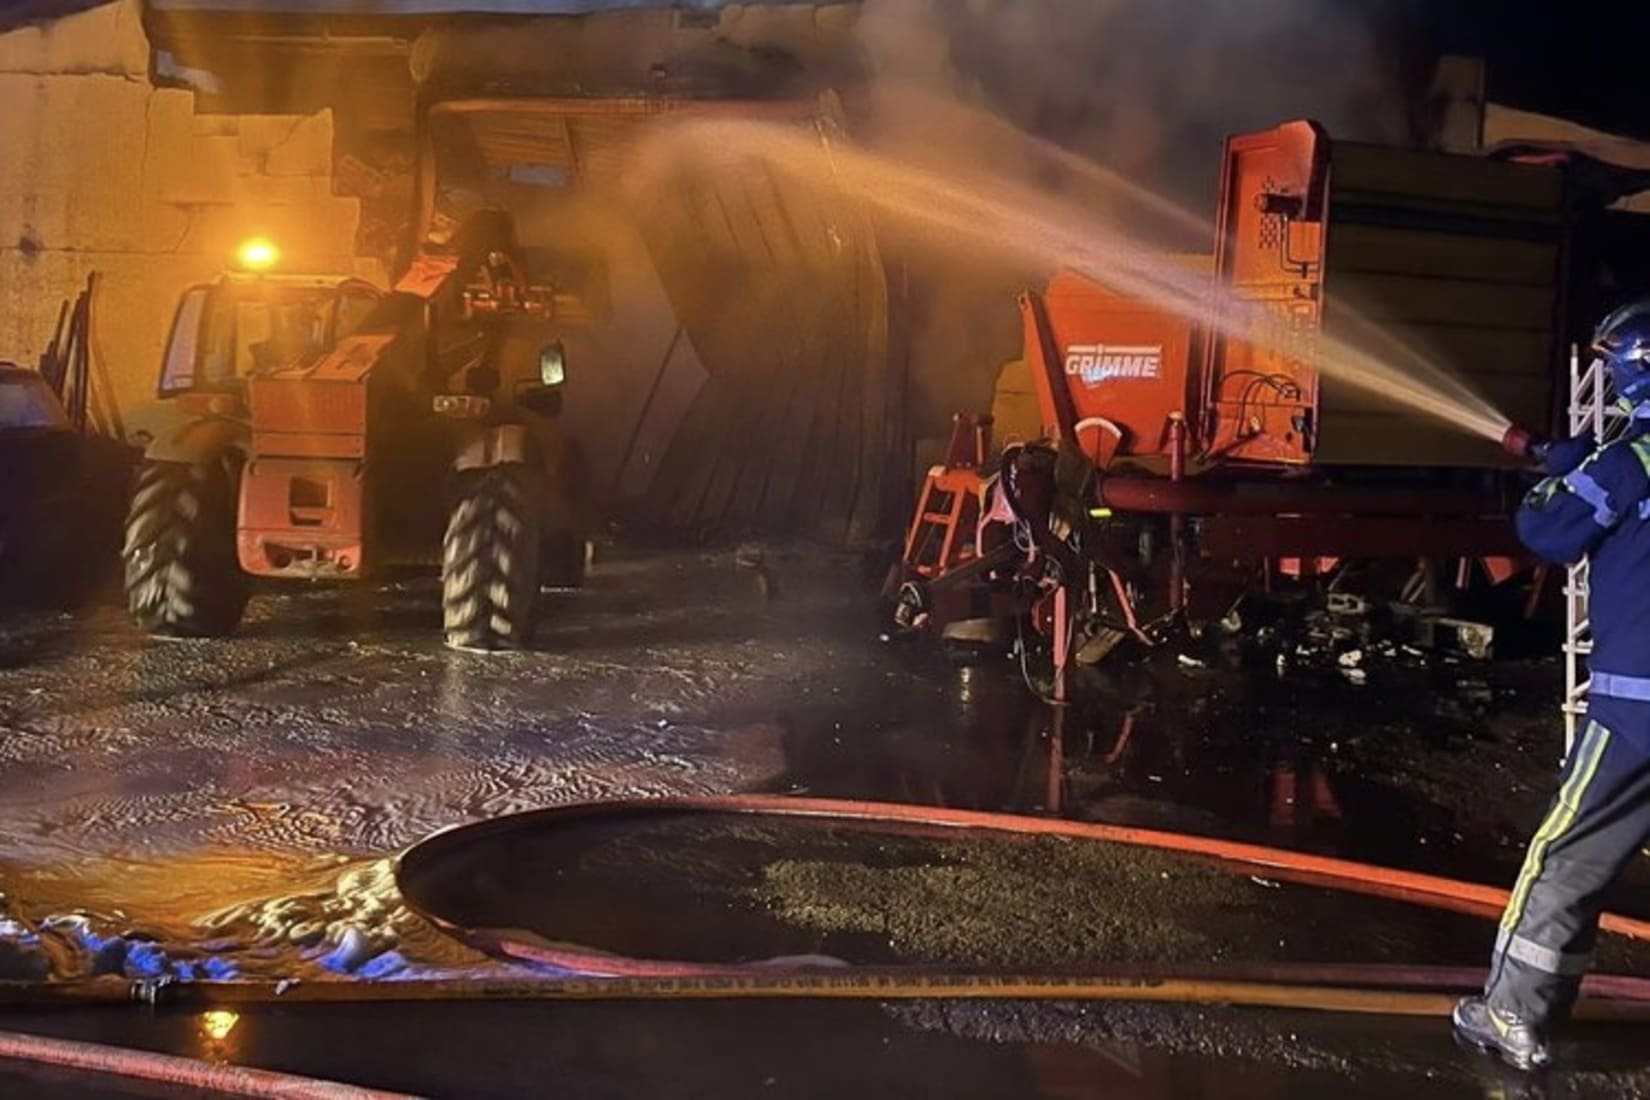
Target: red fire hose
<point>1336,988</point>
<point>190,1073</point>
<point>1338,874</point>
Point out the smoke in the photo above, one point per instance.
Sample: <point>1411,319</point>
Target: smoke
<point>1147,87</point>
<point>1119,106</point>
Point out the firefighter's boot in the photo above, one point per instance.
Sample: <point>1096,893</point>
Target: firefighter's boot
<point>1519,1043</point>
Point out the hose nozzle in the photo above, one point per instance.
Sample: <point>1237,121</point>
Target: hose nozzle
<point>1521,442</point>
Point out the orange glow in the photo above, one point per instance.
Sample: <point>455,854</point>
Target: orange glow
<point>218,1023</point>
<point>258,254</point>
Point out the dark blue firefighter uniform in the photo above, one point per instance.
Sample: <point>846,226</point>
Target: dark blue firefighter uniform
<point>1601,814</point>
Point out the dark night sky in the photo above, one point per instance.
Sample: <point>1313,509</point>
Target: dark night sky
<point>1583,59</point>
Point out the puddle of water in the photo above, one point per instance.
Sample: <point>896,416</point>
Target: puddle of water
<point>738,889</point>
<point>216,914</point>
<point>1422,768</point>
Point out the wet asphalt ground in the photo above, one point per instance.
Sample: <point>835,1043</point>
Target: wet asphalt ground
<point>245,794</point>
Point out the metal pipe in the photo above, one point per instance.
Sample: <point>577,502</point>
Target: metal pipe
<point>1062,638</point>
<point>773,979</point>
<point>1053,392</point>
<point>1165,496</point>
<point>854,984</point>
<point>1177,519</point>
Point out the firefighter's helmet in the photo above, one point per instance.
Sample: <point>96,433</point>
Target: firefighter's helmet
<point>1622,340</point>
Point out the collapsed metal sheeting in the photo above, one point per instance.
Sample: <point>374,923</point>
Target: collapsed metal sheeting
<point>782,291</point>
<point>732,369</point>
<point>776,408</point>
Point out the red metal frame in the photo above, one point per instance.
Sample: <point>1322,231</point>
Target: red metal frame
<point>943,534</point>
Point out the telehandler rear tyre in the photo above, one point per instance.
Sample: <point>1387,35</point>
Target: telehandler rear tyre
<point>183,578</point>
<point>490,559</point>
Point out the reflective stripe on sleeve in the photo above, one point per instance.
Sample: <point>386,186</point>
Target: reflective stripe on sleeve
<point>1641,448</point>
<point>1583,485</point>
<point>1614,686</point>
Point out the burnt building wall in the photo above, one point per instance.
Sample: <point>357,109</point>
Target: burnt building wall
<point>103,170</point>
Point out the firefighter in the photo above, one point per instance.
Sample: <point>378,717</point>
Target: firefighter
<point>1594,502</point>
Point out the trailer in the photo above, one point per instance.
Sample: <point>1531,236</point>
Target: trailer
<point>1177,466</point>
<point>66,469</point>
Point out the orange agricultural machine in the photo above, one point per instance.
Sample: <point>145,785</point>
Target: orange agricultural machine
<point>1174,467</point>
<point>329,430</point>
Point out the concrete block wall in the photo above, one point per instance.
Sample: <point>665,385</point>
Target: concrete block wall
<point>101,170</point>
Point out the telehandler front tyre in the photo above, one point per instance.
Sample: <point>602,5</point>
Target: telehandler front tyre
<point>183,578</point>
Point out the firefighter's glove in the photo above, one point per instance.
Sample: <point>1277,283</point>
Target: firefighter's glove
<point>1564,455</point>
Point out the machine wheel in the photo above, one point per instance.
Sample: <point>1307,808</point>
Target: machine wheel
<point>182,575</point>
<point>490,559</point>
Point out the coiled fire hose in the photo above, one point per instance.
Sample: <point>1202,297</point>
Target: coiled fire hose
<point>587,974</point>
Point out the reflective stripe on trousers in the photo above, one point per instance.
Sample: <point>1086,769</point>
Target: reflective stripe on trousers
<point>1589,751</point>
<point>1542,958</point>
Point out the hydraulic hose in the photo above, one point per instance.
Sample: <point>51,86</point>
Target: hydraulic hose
<point>167,1069</point>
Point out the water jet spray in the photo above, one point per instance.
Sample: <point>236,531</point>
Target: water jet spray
<point>1013,224</point>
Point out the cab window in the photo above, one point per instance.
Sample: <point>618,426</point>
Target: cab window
<point>183,346</point>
